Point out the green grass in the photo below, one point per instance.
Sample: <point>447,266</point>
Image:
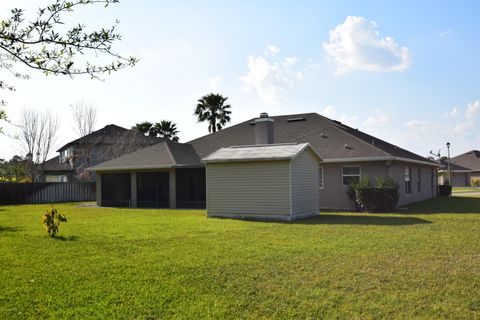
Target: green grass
<point>465,189</point>
<point>161,264</point>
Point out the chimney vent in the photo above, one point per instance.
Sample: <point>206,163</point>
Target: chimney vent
<point>264,129</point>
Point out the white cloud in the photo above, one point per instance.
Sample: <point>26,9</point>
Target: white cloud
<point>271,80</point>
<point>271,50</point>
<point>377,119</point>
<point>472,109</point>
<point>357,45</point>
<point>451,114</point>
<point>215,82</point>
<point>329,112</point>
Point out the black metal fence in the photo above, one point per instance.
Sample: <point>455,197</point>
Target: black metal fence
<point>46,192</point>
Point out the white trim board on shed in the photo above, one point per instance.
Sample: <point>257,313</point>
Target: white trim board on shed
<point>278,182</point>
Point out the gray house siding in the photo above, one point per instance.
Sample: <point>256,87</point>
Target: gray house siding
<point>305,184</point>
<point>397,171</point>
<point>249,189</point>
<point>334,193</point>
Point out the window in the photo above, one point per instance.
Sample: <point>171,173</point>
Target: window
<point>320,177</point>
<point>419,180</point>
<point>408,185</point>
<point>66,154</point>
<point>350,174</point>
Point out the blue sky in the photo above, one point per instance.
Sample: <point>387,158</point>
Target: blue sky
<point>407,72</point>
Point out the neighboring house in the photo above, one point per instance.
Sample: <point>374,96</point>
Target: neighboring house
<point>99,146</point>
<point>464,168</point>
<point>172,175</point>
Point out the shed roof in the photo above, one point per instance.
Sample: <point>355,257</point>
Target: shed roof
<point>284,151</point>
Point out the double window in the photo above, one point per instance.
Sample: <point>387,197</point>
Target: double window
<point>350,174</point>
<point>408,184</point>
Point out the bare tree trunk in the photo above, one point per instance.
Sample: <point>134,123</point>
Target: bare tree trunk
<point>85,117</point>
<point>39,131</point>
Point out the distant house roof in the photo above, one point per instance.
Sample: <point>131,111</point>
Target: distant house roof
<point>258,153</point>
<point>165,154</point>
<point>469,160</point>
<point>55,165</point>
<point>112,134</point>
<point>332,140</point>
<point>454,167</point>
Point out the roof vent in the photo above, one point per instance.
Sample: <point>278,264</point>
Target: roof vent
<point>323,135</point>
<point>373,142</point>
<point>263,115</point>
<point>295,119</point>
<point>346,146</point>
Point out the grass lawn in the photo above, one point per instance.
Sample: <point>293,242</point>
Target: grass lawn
<point>465,189</point>
<point>163,264</point>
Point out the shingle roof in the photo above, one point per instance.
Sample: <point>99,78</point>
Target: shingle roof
<point>165,154</point>
<point>469,159</point>
<point>453,166</point>
<point>285,151</point>
<point>55,165</point>
<point>112,134</point>
<point>330,139</point>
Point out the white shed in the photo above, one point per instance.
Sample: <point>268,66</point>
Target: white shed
<point>272,181</point>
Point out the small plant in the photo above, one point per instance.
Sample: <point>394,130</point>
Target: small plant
<point>51,220</point>
<point>476,182</point>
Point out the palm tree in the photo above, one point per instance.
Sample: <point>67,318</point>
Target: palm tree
<point>166,129</point>
<point>143,127</point>
<point>212,108</point>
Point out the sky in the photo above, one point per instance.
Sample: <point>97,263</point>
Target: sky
<point>407,72</point>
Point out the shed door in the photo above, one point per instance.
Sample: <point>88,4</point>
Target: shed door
<point>153,190</point>
<point>116,189</point>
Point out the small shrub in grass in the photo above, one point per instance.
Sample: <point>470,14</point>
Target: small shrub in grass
<point>445,190</point>
<point>51,219</point>
<point>476,182</point>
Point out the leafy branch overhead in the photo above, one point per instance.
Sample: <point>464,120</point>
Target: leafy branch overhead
<point>40,45</point>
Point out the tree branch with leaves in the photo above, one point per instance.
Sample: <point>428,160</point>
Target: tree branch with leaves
<point>41,46</point>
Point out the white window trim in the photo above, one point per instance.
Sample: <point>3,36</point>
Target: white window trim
<point>323,179</point>
<point>351,175</point>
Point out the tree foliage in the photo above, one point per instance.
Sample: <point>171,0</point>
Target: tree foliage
<point>213,109</point>
<point>47,45</point>
<point>14,170</point>
<point>165,129</point>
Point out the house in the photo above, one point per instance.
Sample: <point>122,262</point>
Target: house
<point>176,172</point>
<point>96,147</point>
<point>465,169</point>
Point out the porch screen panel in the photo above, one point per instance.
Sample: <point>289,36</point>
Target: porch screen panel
<point>153,189</point>
<point>116,189</point>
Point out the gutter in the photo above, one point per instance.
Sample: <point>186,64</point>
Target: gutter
<point>367,159</point>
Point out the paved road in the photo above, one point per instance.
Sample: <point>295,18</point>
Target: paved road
<point>466,194</point>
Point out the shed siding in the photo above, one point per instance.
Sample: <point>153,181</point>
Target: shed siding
<point>305,185</point>
<point>249,189</point>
